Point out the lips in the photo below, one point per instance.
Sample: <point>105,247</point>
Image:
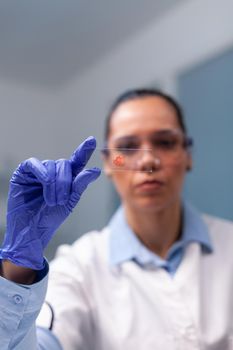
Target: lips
<point>149,185</point>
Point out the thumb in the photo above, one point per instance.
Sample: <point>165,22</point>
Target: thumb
<point>81,182</point>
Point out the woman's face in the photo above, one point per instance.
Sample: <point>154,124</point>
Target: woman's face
<point>135,124</point>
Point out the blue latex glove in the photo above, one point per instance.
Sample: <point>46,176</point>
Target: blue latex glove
<point>41,196</point>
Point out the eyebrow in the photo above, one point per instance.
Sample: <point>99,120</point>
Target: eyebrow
<point>135,137</point>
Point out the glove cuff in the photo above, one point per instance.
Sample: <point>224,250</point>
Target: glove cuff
<point>30,256</point>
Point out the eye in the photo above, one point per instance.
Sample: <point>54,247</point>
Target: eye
<point>127,145</point>
<point>166,142</point>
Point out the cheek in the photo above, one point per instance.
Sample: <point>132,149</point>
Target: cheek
<point>176,175</point>
<point>122,183</point>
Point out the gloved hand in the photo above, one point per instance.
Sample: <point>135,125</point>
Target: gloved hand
<point>41,196</point>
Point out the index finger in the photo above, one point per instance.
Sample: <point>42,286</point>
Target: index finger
<point>82,154</point>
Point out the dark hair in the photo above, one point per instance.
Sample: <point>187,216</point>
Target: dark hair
<point>139,93</point>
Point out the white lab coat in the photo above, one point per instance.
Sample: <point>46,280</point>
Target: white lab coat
<point>102,307</point>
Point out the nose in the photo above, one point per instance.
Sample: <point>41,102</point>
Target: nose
<point>148,162</point>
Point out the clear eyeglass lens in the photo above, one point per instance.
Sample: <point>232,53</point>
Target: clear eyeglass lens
<point>169,143</point>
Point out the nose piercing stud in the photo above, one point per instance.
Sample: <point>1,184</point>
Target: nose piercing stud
<point>156,164</point>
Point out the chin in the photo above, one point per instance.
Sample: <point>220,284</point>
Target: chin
<point>152,204</point>
<point>149,205</point>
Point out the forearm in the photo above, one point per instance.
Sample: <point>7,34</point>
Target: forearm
<point>17,274</point>
<point>20,305</point>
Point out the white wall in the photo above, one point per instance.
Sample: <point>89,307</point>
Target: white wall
<point>50,124</point>
<point>191,32</point>
<point>32,121</point>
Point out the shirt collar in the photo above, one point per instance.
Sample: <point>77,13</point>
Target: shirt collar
<point>124,245</point>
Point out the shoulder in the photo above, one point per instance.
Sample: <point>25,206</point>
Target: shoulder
<point>221,232</point>
<point>216,224</point>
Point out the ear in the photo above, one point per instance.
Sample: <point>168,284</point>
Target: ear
<point>106,167</point>
<point>108,171</point>
<point>189,165</point>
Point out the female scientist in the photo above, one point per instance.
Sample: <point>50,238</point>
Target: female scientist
<point>158,276</point>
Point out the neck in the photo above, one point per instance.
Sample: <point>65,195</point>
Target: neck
<point>157,230</point>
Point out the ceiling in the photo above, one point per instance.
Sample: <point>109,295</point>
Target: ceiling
<point>47,42</point>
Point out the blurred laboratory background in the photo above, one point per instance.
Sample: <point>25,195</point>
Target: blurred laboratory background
<point>62,63</point>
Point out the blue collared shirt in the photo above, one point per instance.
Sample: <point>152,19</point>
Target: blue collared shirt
<point>125,245</point>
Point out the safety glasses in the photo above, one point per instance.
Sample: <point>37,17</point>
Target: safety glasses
<point>163,148</point>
